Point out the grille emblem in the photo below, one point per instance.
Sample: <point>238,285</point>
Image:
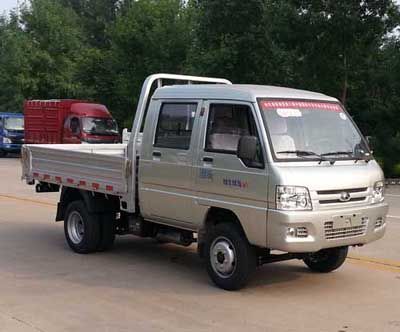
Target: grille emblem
<point>344,196</point>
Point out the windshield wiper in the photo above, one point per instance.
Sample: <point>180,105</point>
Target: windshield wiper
<point>337,153</point>
<point>309,153</point>
<point>348,153</point>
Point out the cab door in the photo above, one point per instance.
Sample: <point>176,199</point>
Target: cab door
<point>221,178</point>
<point>72,131</point>
<point>166,165</point>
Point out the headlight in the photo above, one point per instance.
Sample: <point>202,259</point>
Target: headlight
<point>6,140</point>
<point>378,193</point>
<point>293,198</point>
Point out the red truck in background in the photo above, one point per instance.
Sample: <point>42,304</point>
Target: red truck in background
<point>68,121</point>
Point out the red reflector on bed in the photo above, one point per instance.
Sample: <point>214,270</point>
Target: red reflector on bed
<point>273,104</point>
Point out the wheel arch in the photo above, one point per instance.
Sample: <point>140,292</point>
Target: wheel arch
<point>213,216</point>
<point>217,215</point>
<point>94,202</point>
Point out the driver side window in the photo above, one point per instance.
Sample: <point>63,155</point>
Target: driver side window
<point>227,123</point>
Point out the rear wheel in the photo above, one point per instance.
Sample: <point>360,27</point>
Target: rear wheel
<point>2,153</point>
<point>81,229</point>
<point>326,260</point>
<point>229,257</point>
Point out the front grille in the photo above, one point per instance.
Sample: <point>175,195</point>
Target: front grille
<point>339,191</point>
<point>17,140</point>
<point>332,201</point>
<point>335,196</point>
<point>344,232</point>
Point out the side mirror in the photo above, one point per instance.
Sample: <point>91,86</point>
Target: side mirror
<point>371,142</point>
<point>247,148</point>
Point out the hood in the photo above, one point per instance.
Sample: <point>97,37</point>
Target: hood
<point>341,175</point>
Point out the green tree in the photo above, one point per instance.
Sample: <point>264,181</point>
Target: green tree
<point>95,16</point>
<point>338,42</point>
<point>382,117</point>
<point>246,41</point>
<point>149,36</point>
<point>57,43</point>
<point>15,76</point>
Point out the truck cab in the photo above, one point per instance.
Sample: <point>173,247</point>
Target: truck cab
<point>291,163</point>
<point>243,170</point>
<point>90,123</point>
<point>11,133</point>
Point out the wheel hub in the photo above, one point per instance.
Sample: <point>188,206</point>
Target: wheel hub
<point>220,258</point>
<point>223,257</point>
<point>76,229</point>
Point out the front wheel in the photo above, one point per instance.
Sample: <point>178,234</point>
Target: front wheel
<point>82,229</point>
<point>229,257</point>
<point>326,260</point>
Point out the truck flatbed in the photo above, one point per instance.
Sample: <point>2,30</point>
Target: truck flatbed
<point>96,167</point>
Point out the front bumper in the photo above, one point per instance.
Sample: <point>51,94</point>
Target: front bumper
<point>315,223</point>
<point>16,148</point>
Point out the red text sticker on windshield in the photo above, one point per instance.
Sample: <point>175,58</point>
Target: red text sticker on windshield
<point>273,104</point>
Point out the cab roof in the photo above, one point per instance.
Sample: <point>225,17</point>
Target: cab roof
<point>90,110</point>
<point>240,92</point>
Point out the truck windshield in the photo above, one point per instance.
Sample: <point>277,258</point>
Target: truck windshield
<point>311,130</point>
<point>99,126</point>
<point>14,123</point>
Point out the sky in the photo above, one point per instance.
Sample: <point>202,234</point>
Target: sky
<point>6,5</point>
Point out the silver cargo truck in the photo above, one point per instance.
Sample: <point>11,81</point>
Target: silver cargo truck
<point>253,174</point>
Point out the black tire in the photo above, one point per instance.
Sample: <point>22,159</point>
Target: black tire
<point>3,154</point>
<point>221,241</point>
<point>86,239</point>
<point>107,232</point>
<point>326,260</point>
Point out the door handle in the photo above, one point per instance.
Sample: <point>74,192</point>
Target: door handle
<point>156,154</point>
<point>208,159</point>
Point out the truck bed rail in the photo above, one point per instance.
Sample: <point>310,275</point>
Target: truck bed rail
<point>100,168</point>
